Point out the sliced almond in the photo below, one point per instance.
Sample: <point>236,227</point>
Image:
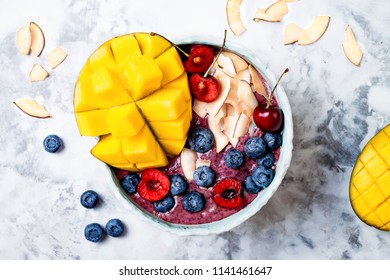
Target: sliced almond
<point>202,162</point>
<point>226,65</point>
<point>234,16</point>
<point>315,31</point>
<point>256,82</point>
<point>239,63</point>
<point>262,15</point>
<point>37,39</point>
<point>188,163</point>
<point>277,10</point>
<point>23,39</point>
<point>246,97</point>
<point>32,108</point>
<point>37,73</point>
<point>351,48</point>
<point>56,57</point>
<point>242,126</point>
<point>292,32</point>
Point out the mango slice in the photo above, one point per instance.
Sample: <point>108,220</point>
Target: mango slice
<point>124,121</point>
<point>171,129</point>
<point>102,57</point>
<point>369,188</point>
<point>152,44</point>
<point>170,65</point>
<point>173,146</point>
<point>123,47</point>
<point>92,123</point>
<point>109,150</point>
<point>181,82</point>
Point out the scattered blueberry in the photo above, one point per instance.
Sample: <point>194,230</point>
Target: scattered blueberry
<point>52,143</point>
<point>262,176</point>
<point>115,227</point>
<point>130,183</point>
<point>200,139</point>
<point>89,199</point>
<point>165,204</point>
<point>250,186</point>
<point>203,176</point>
<point>268,160</point>
<point>94,232</point>
<point>273,140</point>
<point>193,202</point>
<point>255,147</point>
<point>178,184</point>
<point>234,158</point>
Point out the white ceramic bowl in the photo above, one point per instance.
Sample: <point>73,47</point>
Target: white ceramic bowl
<point>263,197</point>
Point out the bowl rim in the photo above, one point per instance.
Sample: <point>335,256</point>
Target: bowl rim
<point>263,197</point>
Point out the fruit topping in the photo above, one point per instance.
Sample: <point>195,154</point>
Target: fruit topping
<point>52,143</point>
<point>262,176</point>
<point>165,204</point>
<point>255,147</point>
<point>200,139</point>
<point>179,184</point>
<point>154,185</point>
<point>268,160</point>
<point>130,183</point>
<point>351,48</point>
<point>32,108</point>
<point>250,186</point>
<point>227,193</point>
<point>204,176</point>
<point>115,228</point>
<point>94,232</point>
<point>89,199</point>
<point>193,202</point>
<point>234,158</point>
<point>273,140</point>
<point>188,163</point>
<point>234,16</point>
<point>199,59</point>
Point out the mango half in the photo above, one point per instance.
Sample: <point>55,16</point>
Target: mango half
<point>133,94</point>
<point>369,188</point>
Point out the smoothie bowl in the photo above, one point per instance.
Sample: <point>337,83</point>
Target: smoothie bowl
<point>195,139</point>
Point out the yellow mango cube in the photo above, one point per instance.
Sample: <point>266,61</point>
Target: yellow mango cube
<point>142,75</point>
<point>181,82</point>
<point>109,150</point>
<point>108,88</point>
<point>373,196</point>
<point>175,129</point>
<point>374,220</point>
<point>173,147</point>
<point>141,147</point>
<point>376,166</point>
<point>123,47</point>
<point>92,123</point>
<point>163,105</point>
<point>84,96</point>
<point>86,71</point>
<point>102,57</point>
<point>362,180</point>
<point>125,120</point>
<point>159,161</point>
<point>127,166</point>
<point>170,64</point>
<point>152,44</point>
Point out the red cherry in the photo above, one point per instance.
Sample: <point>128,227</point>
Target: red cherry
<point>204,89</point>
<point>199,60</point>
<point>227,193</point>
<point>268,119</point>
<point>154,185</point>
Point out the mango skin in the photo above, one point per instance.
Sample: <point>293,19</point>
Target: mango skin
<point>126,85</point>
<point>369,188</point>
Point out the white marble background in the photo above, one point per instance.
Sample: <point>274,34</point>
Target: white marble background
<point>336,107</point>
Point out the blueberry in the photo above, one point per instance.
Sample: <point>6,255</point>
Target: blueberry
<point>94,232</point>
<point>115,227</point>
<point>130,183</point>
<point>234,158</point>
<point>255,147</point>
<point>203,176</point>
<point>200,139</point>
<point>273,140</point>
<point>262,176</point>
<point>193,202</point>
<point>178,184</point>
<point>52,143</point>
<point>268,160</point>
<point>250,186</point>
<point>165,204</point>
<point>89,199</point>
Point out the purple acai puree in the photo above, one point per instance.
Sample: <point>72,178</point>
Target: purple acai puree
<point>211,212</point>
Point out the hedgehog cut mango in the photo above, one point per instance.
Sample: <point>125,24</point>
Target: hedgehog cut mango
<point>133,94</point>
<point>369,188</point>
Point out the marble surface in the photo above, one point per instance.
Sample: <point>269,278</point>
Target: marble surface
<point>336,107</point>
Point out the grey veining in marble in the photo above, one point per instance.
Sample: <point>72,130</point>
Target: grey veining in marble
<point>336,106</point>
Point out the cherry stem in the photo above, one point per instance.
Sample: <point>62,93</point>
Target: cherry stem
<point>273,90</point>
<point>181,50</point>
<point>219,53</point>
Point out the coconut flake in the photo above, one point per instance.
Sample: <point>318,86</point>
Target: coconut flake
<point>37,39</point>
<point>56,57</point>
<point>23,39</point>
<point>37,73</point>
<point>32,108</point>
<point>188,163</point>
<point>234,16</point>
